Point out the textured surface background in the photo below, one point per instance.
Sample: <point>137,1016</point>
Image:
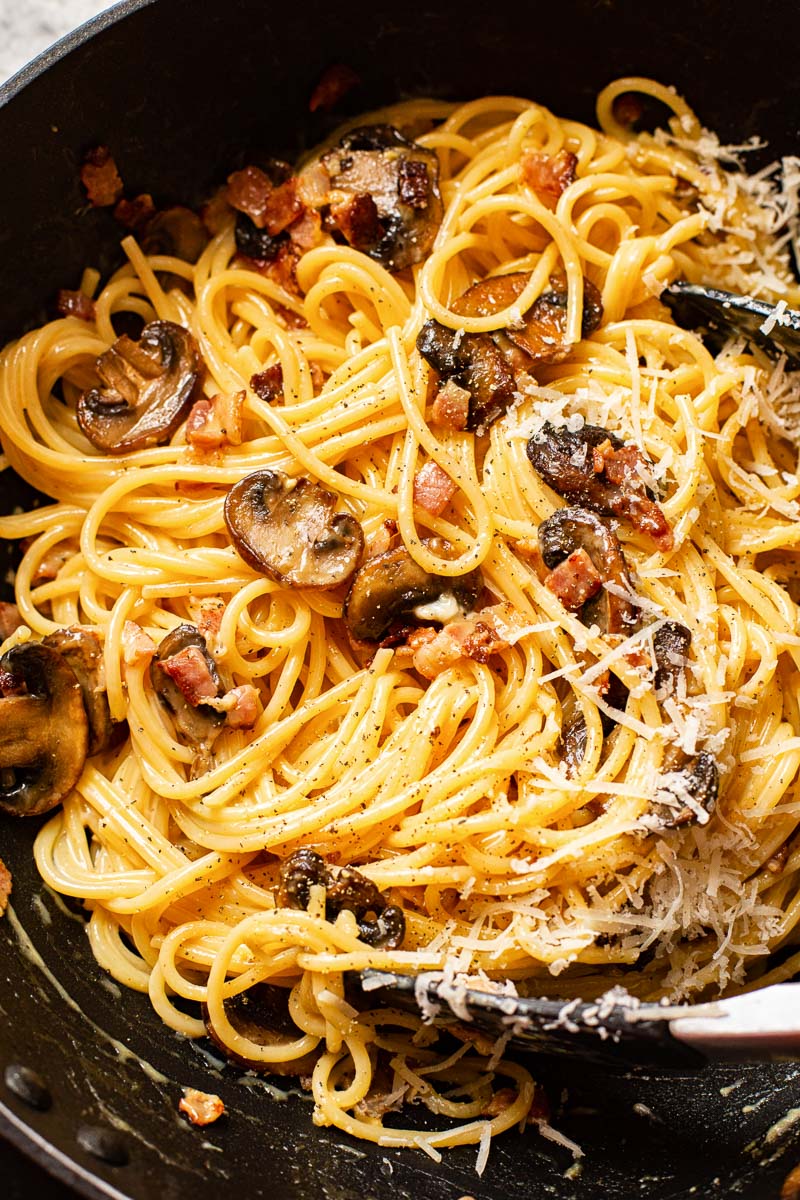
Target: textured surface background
<point>29,26</point>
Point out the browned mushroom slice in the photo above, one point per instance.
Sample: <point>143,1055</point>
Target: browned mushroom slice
<point>671,644</point>
<point>379,924</point>
<point>147,389</point>
<point>596,469</point>
<point>261,1014</point>
<point>289,529</point>
<point>384,194</point>
<point>392,585</point>
<point>540,334</point>
<point>44,732</point>
<point>570,530</point>
<point>474,362</point>
<point>184,675</point>
<point>485,363</point>
<point>84,654</point>
<point>688,791</point>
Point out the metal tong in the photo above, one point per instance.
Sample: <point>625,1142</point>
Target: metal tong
<point>616,1029</point>
<point>774,328</point>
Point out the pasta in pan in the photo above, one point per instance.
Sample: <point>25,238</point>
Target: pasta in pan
<point>585,773</point>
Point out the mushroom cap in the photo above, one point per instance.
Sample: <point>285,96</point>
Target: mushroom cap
<point>44,732</point>
<point>698,776</point>
<point>571,529</point>
<point>393,584</point>
<point>147,389</point>
<point>290,530</point>
<point>198,723</point>
<point>400,181</point>
<point>83,651</point>
<point>345,887</point>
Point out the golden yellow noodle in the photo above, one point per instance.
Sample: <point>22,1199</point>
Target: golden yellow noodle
<point>450,794</point>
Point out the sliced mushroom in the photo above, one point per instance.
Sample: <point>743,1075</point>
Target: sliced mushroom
<point>345,887</point>
<point>183,674</point>
<point>384,194</point>
<point>84,654</point>
<point>485,363</point>
<point>596,469</point>
<point>572,529</point>
<point>147,389</point>
<point>694,787</point>
<point>393,585</point>
<point>261,1014</point>
<point>289,529</point>
<point>44,731</point>
<point>671,644</point>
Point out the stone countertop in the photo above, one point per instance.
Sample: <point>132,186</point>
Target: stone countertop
<point>29,26</point>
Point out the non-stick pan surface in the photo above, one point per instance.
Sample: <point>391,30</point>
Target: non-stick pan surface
<point>180,90</point>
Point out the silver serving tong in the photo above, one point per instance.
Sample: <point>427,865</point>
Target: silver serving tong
<point>723,314</point>
<point>616,1029</point>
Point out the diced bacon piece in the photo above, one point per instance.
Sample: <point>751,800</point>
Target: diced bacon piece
<point>11,685</point>
<point>334,83</point>
<point>382,540</point>
<point>433,652</point>
<point>217,422</point>
<point>627,469</point>
<point>433,488</point>
<point>75,304</point>
<point>306,231</point>
<point>268,384</point>
<point>138,647</point>
<point>499,1102</point>
<point>281,269</point>
<point>216,212</point>
<point>10,620</point>
<point>575,580</point>
<point>414,183</point>
<point>135,214</point>
<point>5,886</point>
<point>202,1108</point>
<point>281,208</point>
<point>100,177</point>
<point>190,671</point>
<point>207,614</point>
<point>480,641</point>
<point>313,186</point>
<point>451,406</point>
<point>357,218</point>
<point>248,192</point>
<point>242,706</point>
<point>548,175</point>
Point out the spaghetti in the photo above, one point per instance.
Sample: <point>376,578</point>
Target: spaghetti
<point>519,858</point>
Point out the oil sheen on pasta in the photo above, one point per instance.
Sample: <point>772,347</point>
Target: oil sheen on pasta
<point>450,793</point>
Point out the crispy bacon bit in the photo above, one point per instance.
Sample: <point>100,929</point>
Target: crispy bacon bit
<point>791,1185</point>
<point>434,651</point>
<point>334,83</point>
<point>5,886</point>
<point>548,175</point>
<point>357,218</point>
<point>75,304</point>
<point>451,406</point>
<point>189,669</point>
<point>137,646</point>
<point>268,384</point>
<point>306,232</point>
<point>499,1102</point>
<point>433,488</point>
<point>575,580</point>
<point>11,685</point>
<point>202,1108</point>
<point>281,208</point>
<point>217,422</point>
<point>207,615</point>
<point>624,467</point>
<point>414,183</point>
<point>382,540</point>
<point>241,705</point>
<point>100,177</point>
<point>281,268</point>
<point>248,191</point>
<point>135,214</point>
<point>314,186</point>
<point>10,620</point>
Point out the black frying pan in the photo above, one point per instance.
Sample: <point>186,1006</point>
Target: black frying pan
<point>180,89</point>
